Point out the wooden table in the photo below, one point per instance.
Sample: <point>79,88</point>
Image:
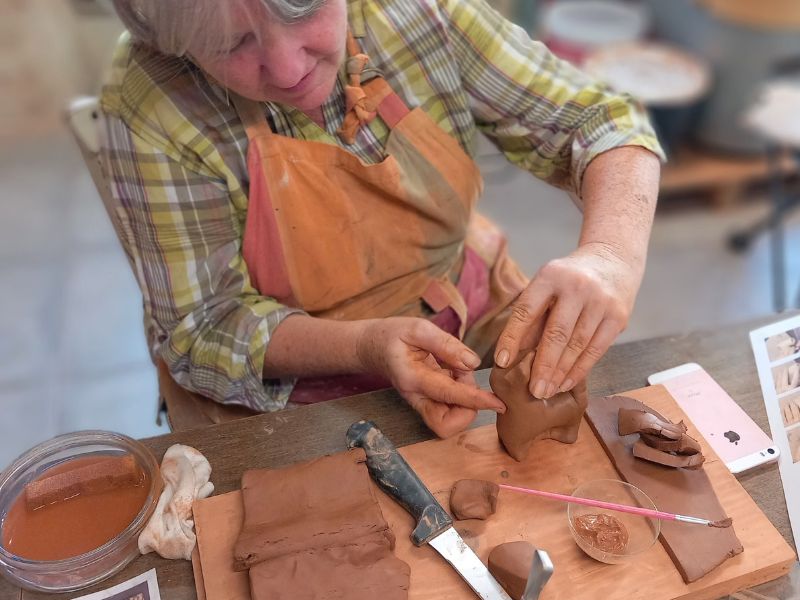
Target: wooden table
<point>277,439</point>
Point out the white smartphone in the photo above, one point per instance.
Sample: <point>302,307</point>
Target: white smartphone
<point>734,436</point>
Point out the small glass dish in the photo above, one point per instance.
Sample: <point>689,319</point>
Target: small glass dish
<point>642,532</point>
<point>85,569</point>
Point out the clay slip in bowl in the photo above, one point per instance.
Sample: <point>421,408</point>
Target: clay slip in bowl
<point>642,531</point>
<point>91,567</point>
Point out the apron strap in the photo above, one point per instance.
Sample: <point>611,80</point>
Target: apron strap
<point>390,106</point>
<point>251,113</point>
<point>360,109</point>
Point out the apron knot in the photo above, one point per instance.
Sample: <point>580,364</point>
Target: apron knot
<point>360,111</point>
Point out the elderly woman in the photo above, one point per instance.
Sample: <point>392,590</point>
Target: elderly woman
<point>297,199</point>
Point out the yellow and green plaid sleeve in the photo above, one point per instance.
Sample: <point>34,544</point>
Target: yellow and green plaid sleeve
<point>545,115</point>
<point>181,230</point>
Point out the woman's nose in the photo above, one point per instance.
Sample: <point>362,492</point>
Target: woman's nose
<point>283,60</point>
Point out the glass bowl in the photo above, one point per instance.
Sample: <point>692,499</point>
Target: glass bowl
<point>86,569</point>
<point>642,532</point>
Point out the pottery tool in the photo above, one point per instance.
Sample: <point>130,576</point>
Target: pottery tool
<point>541,571</point>
<point>433,525</point>
<point>635,510</point>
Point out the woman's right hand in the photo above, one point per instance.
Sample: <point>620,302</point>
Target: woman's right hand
<point>430,368</point>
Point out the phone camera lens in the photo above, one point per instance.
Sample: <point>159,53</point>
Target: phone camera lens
<point>771,450</point>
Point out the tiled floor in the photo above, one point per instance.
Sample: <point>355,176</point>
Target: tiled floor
<point>72,351</point>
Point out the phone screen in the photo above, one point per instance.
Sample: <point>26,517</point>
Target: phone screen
<point>727,428</point>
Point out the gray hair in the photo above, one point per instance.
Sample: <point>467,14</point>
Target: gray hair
<point>172,26</point>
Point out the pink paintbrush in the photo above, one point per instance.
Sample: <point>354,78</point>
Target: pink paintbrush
<point>636,510</point>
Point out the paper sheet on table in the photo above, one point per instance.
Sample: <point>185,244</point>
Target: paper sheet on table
<point>141,587</point>
<point>776,349</point>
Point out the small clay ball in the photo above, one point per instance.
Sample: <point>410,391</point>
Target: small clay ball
<point>473,499</point>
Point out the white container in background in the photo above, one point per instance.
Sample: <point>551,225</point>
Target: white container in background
<point>574,28</point>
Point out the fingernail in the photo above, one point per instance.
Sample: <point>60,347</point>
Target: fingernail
<point>502,359</point>
<point>500,411</point>
<point>551,389</point>
<point>567,385</point>
<point>471,360</point>
<point>539,389</point>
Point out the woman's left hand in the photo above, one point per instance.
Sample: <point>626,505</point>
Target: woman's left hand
<point>571,312</point>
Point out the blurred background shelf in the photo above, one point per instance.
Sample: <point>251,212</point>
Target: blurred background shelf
<point>725,179</point>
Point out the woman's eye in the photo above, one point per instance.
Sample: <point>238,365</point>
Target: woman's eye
<point>240,43</point>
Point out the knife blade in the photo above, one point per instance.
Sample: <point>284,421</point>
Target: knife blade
<point>433,525</point>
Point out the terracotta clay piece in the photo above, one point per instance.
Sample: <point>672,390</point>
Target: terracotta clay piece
<point>694,550</point>
<point>528,418</point>
<point>473,499</point>
<point>510,563</point>
<point>687,461</point>
<point>315,530</point>
<point>602,531</point>
<point>660,441</point>
<point>95,477</point>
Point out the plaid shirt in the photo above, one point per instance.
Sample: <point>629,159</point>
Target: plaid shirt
<point>175,154</point>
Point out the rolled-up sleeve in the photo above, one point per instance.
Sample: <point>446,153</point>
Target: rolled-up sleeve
<point>544,114</point>
<point>183,239</point>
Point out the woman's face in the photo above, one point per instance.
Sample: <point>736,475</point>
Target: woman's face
<point>294,64</point>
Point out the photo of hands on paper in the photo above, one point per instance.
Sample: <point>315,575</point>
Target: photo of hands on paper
<point>790,409</point>
<point>783,344</point>
<point>786,376</point>
<point>794,443</point>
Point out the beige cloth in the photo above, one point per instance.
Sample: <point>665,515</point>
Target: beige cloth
<point>170,531</point>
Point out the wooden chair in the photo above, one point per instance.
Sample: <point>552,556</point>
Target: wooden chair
<point>185,410</point>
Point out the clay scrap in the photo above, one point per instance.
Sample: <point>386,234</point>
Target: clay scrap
<point>95,477</point>
<point>694,550</point>
<point>510,563</point>
<point>660,441</point>
<point>528,418</point>
<point>315,530</point>
<point>473,499</point>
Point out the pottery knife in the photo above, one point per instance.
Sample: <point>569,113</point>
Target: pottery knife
<point>434,526</point>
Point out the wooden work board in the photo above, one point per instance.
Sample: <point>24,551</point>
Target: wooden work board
<point>551,466</point>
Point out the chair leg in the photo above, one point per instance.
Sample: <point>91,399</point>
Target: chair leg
<point>778,196</point>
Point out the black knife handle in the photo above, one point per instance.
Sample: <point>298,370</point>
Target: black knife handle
<point>393,475</point>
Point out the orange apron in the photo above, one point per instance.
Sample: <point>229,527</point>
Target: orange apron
<point>346,240</point>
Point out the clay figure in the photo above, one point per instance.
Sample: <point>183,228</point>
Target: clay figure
<point>473,499</point>
<point>529,418</point>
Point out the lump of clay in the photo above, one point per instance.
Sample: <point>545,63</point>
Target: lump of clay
<point>473,499</point>
<point>528,418</point>
<point>510,563</point>
<point>315,530</point>
<point>638,421</point>
<point>602,531</point>
<point>659,440</point>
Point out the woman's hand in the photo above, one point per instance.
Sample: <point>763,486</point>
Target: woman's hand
<point>790,408</point>
<point>571,312</point>
<point>575,307</point>
<point>431,369</point>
